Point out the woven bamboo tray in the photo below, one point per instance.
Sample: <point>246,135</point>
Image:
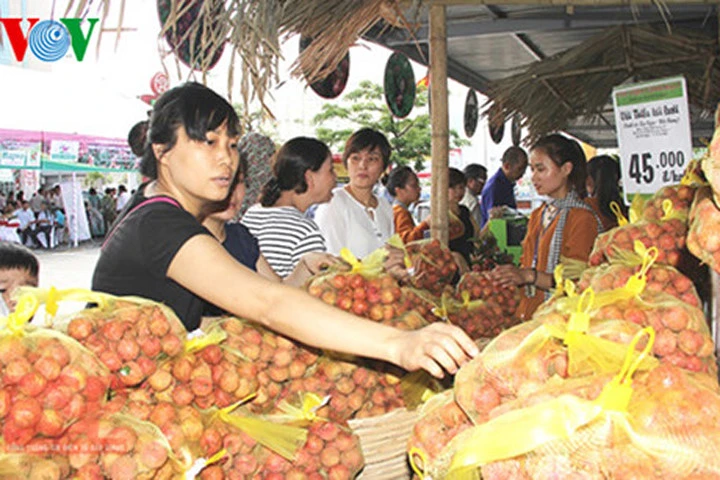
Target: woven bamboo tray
<point>384,444</point>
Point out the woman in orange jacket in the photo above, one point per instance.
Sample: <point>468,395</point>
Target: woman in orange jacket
<point>403,185</point>
<point>562,227</point>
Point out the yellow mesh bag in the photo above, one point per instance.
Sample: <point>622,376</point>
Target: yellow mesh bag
<point>47,380</point>
<point>358,387</point>
<point>667,234</point>
<point>679,197</point>
<point>565,338</point>
<point>265,361</point>
<point>294,442</point>
<point>703,239</point>
<point>120,446</point>
<point>361,287</point>
<point>478,318</point>
<point>660,424</point>
<point>660,278</point>
<point>130,335</point>
<point>433,267</point>
<point>441,419</point>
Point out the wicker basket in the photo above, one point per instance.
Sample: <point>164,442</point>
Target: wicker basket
<point>384,444</point>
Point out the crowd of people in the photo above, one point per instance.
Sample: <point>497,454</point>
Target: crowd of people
<point>204,235</point>
<point>33,221</point>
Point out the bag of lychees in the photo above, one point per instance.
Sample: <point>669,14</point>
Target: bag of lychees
<point>48,381</point>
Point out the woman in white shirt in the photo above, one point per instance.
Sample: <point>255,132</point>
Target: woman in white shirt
<point>355,217</point>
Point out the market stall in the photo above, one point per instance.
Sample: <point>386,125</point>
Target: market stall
<point>615,375</point>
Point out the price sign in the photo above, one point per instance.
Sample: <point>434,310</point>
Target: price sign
<point>653,129</point>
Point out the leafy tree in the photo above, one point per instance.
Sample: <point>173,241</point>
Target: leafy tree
<point>365,106</point>
<point>257,121</point>
<point>96,179</point>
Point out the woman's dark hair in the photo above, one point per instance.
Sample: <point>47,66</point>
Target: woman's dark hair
<point>455,177</point>
<point>192,106</point>
<point>367,138</point>
<point>398,178</point>
<point>17,257</point>
<point>561,150</point>
<point>294,158</point>
<point>137,137</point>
<point>605,172</point>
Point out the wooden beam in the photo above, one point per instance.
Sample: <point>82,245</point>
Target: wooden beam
<point>440,124</point>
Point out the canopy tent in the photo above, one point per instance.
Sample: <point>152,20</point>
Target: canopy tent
<point>555,62</point>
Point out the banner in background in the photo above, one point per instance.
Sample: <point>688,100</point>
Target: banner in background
<point>20,153</point>
<point>21,149</point>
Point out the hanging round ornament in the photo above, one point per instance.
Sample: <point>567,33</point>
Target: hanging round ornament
<point>399,85</point>
<point>196,35</point>
<point>334,84</point>
<point>159,83</point>
<point>496,124</point>
<point>516,129</point>
<point>470,117</point>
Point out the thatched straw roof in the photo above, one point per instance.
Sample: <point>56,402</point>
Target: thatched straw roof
<point>579,81</point>
<point>255,29</point>
<point>548,98</point>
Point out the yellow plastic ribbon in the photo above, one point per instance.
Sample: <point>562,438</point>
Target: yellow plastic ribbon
<point>616,394</point>
<point>559,283</point>
<point>521,431</point>
<point>285,440</point>
<point>621,219</point>
<point>470,304</point>
<point>51,305</point>
<point>579,321</point>
<point>370,266</point>
<point>414,454</point>
<point>636,207</point>
<point>570,288</point>
<point>417,388</point>
<point>24,311</point>
<point>214,337</point>
<point>441,311</point>
<point>637,282</point>
<point>690,178</point>
<point>396,241</point>
<point>667,208</point>
<point>52,297</point>
<point>588,354</point>
<point>306,413</point>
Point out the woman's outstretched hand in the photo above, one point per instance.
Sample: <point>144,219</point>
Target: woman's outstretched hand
<point>437,348</point>
<point>395,263</point>
<point>316,262</point>
<point>509,275</point>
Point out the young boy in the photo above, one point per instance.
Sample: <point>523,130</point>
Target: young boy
<point>18,267</point>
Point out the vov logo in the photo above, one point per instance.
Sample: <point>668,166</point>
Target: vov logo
<point>48,40</point>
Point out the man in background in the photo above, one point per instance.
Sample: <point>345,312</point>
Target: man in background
<point>500,188</point>
<point>475,178</point>
<point>122,198</point>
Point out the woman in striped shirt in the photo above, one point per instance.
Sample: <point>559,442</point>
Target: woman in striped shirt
<point>303,176</point>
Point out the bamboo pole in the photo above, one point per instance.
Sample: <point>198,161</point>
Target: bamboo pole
<point>620,66</point>
<point>439,103</point>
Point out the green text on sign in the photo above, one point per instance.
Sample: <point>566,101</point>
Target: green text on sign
<point>647,94</point>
